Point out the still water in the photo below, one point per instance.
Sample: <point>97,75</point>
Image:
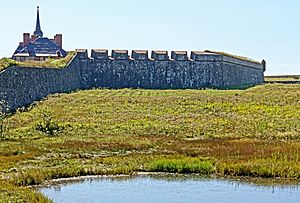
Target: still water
<point>168,189</point>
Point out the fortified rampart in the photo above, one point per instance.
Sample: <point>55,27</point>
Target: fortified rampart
<point>21,86</point>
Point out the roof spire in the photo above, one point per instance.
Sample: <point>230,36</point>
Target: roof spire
<point>38,32</point>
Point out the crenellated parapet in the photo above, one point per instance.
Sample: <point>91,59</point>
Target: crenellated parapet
<point>160,55</point>
<point>120,54</point>
<point>118,69</point>
<point>179,56</point>
<point>100,54</point>
<point>82,53</point>
<point>203,56</point>
<point>139,55</point>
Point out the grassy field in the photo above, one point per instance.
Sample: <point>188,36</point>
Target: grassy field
<point>253,133</point>
<point>283,78</point>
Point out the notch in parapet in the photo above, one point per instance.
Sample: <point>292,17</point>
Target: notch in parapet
<point>139,55</point>
<point>160,55</point>
<point>100,54</point>
<point>120,54</point>
<point>82,53</point>
<point>179,55</point>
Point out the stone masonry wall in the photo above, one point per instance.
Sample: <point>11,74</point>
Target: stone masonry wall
<point>160,72</point>
<point>21,86</point>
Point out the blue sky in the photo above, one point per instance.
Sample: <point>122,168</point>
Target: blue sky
<point>267,29</point>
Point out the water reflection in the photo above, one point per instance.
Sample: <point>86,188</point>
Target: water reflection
<point>170,188</point>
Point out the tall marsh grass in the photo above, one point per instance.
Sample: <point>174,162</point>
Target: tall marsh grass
<point>183,165</point>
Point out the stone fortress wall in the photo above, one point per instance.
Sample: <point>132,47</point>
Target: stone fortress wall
<point>21,86</point>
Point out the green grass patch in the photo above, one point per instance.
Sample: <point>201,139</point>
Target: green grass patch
<point>6,62</point>
<point>283,78</point>
<point>12,193</point>
<point>183,165</point>
<point>31,177</point>
<point>50,63</point>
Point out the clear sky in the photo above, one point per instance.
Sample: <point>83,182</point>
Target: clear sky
<point>259,29</point>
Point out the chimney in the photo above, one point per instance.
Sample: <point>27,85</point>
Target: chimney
<point>26,39</point>
<point>58,40</point>
<point>33,37</point>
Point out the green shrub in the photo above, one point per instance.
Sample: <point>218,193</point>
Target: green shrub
<point>47,125</point>
<point>6,62</point>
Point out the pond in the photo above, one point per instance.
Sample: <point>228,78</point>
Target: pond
<point>153,188</point>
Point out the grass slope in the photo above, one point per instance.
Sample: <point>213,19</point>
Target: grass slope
<point>51,63</point>
<point>255,133</point>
